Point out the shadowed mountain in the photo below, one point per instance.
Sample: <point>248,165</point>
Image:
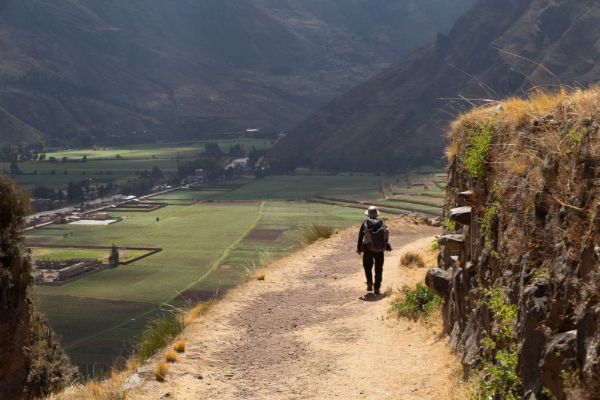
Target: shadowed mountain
<point>108,71</point>
<point>396,119</point>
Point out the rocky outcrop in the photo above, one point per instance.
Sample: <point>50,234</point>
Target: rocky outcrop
<point>521,248</point>
<point>31,361</point>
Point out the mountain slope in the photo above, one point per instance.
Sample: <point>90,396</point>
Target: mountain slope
<point>108,71</point>
<point>396,119</point>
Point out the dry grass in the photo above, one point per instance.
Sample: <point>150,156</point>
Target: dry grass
<point>109,389</point>
<point>179,346</point>
<point>160,371</point>
<point>412,260</point>
<point>197,311</point>
<point>171,356</point>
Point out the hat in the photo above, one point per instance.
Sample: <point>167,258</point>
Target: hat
<point>372,212</point>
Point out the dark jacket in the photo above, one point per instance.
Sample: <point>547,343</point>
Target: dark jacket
<point>374,224</point>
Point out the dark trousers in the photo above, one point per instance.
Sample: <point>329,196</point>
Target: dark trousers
<point>370,258</point>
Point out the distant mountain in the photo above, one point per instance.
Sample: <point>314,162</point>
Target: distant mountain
<point>110,71</point>
<point>396,120</point>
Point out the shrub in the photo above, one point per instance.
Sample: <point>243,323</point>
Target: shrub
<point>417,303</point>
<point>498,378</point>
<point>160,372</point>
<point>157,334</point>
<point>412,260</point>
<point>179,346</point>
<point>316,232</point>
<point>478,149</point>
<point>171,356</point>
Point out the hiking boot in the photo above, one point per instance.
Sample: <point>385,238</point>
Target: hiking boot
<point>369,287</point>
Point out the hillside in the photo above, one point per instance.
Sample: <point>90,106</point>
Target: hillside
<point>523,221</point>
<point>91,71</point>
<point>396,120</point>
<point>308,330</point>
<point>32,362</point>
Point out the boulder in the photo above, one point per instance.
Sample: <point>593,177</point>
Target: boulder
<point>461,215</point>
<point>439,280</point>
<point>560,356</point>
<point>452,241</point>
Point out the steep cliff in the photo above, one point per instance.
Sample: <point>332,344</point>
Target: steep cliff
<point>31,361</point>
<point>520,261</point>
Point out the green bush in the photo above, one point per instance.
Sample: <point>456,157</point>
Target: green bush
<point>316,232</point>
<point>498,379</point>
<point>417,303</point>
<point>478,149</point>
<point>158,333</point>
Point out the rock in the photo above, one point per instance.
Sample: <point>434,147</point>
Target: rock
<point>452,241</point>
<point>467,197</point>
<point>133,382</point>
<point>560,356</point>
<point>461,215</point>
<point>439,281</point>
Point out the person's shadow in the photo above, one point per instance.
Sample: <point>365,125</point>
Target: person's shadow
<point>370,297</point>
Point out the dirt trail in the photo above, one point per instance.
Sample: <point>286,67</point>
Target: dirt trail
<point>307,332</point>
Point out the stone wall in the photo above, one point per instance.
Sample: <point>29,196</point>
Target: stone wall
<point>523,220</point>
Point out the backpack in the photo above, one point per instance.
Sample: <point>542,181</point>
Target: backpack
<point>376,235</point>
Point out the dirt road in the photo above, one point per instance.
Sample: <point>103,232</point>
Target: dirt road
<point>308,332</point>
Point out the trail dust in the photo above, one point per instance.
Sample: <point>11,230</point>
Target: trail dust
<point>308,332</point>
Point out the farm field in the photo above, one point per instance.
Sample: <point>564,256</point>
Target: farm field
<point>53,253</point>
<point>210,238</point>
<point>157,151</point>
<point>113,164</point>
<point>206,247</point>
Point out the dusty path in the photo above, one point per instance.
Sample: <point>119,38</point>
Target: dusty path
<point>305,333</point>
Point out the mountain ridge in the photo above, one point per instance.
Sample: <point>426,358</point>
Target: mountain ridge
<point>396,120</point>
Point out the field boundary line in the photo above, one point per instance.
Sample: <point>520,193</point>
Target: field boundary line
<point>215,264</point>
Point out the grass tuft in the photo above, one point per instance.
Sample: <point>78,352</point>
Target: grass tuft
<point>197,311</point>
<point>478,149</point>
<point>179,346</point>
<point>171,356</point>
<point>412,260</point>
<point>160,372</point>
<point>416,303</point>
<point>316,232</point>
<point>157,334</point>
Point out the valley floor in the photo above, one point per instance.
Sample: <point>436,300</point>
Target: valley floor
<point>308,332</point>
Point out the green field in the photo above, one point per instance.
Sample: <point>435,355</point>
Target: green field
<point>53,253</point>
<point>157,151</point>
<point>210,237</point>
<point>102,164</point>
<point>206,246</point>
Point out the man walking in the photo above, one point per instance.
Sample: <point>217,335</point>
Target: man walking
<point>372,242</point>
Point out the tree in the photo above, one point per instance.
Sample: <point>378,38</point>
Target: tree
<point>212,150</point>
<point>14,168</point>
<point>114,256</point>
<point>84,158</point>
<point>156,173</point>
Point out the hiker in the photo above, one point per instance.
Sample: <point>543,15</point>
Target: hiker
<point>372,242</point>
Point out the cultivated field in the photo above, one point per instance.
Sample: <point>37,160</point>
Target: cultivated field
<point>210,238</point>
<point>113,164</point>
